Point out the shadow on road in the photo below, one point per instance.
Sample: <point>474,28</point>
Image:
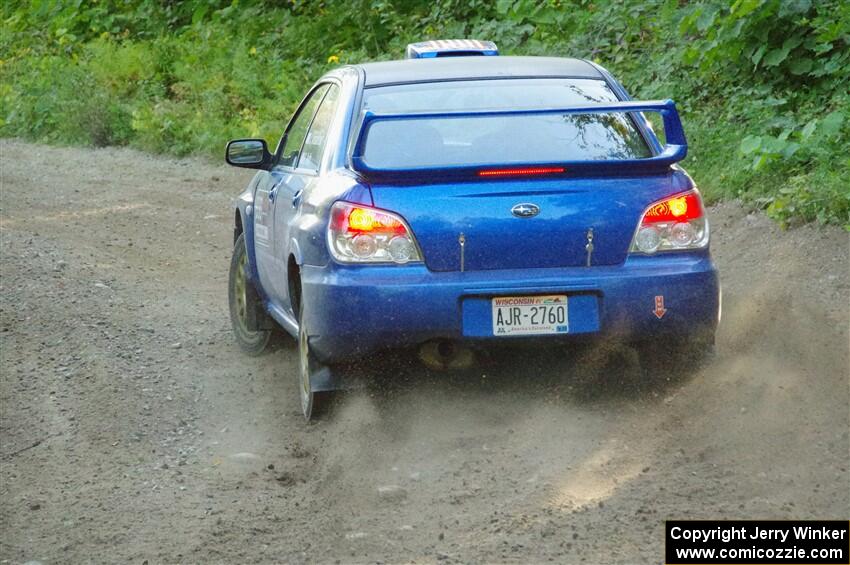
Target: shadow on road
<point>581,374</point>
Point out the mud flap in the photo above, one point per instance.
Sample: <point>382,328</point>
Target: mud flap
<point>256,317</point>
<point>324,380</point>
<point>327,379</point>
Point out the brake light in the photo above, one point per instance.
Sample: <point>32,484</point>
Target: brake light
<point>520,171</point>
<point>679,208</point>
<point>362,234</point>
<point>368,220</point>
<point>675,223</point>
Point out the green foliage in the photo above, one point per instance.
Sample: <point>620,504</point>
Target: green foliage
<point>762,84</point>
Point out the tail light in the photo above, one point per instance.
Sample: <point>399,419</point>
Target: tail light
<point>361,234</point>
<point>675,223</point>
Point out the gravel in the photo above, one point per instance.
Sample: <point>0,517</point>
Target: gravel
<point>113,300</point>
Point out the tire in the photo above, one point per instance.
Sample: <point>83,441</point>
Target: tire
<point>313,404</point>
<point>241,297</point>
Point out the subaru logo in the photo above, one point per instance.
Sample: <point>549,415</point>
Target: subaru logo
<point>525,210</point>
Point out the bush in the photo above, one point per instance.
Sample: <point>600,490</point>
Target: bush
<point>761,83</point>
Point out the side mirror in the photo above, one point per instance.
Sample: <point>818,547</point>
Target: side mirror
<point>248,153</point>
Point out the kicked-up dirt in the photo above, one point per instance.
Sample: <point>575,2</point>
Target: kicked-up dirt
<point>133,430</point>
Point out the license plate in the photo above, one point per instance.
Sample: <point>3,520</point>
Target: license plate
<point>530,315</point>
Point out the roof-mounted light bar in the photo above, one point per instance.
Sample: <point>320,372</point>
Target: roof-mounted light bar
<point>450,48</point>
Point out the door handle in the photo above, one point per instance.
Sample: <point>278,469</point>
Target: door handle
<point>296,198</point>
<point>273,191</point>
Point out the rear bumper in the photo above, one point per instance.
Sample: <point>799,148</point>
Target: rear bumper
<point>357,310</point>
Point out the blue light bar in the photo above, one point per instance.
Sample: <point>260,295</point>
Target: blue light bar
<point>450,48</point>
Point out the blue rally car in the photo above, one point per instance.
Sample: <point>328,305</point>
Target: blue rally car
<point>459,197</point>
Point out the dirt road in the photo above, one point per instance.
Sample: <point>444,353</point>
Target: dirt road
<point>133,430</point>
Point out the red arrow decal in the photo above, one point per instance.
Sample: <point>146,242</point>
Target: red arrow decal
<point>660,310</point>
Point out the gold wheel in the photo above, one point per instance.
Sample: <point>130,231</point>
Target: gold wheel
<point>239,288</point>
<point>243,300</point>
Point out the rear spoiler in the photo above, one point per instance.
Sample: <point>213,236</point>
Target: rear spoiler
<point>675,149</point>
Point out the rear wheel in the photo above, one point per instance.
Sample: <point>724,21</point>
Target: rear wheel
<point>313,403</point>
<point>243,302</point>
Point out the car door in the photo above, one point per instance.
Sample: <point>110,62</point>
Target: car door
<point>266,239</point>
<point>300,174</point>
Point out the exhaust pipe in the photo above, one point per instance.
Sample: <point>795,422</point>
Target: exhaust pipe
<point>444,354</point>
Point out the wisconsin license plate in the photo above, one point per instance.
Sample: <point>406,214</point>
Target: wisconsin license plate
<point>530,315</point>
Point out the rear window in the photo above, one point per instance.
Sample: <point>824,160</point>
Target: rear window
<point>457,141</point>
